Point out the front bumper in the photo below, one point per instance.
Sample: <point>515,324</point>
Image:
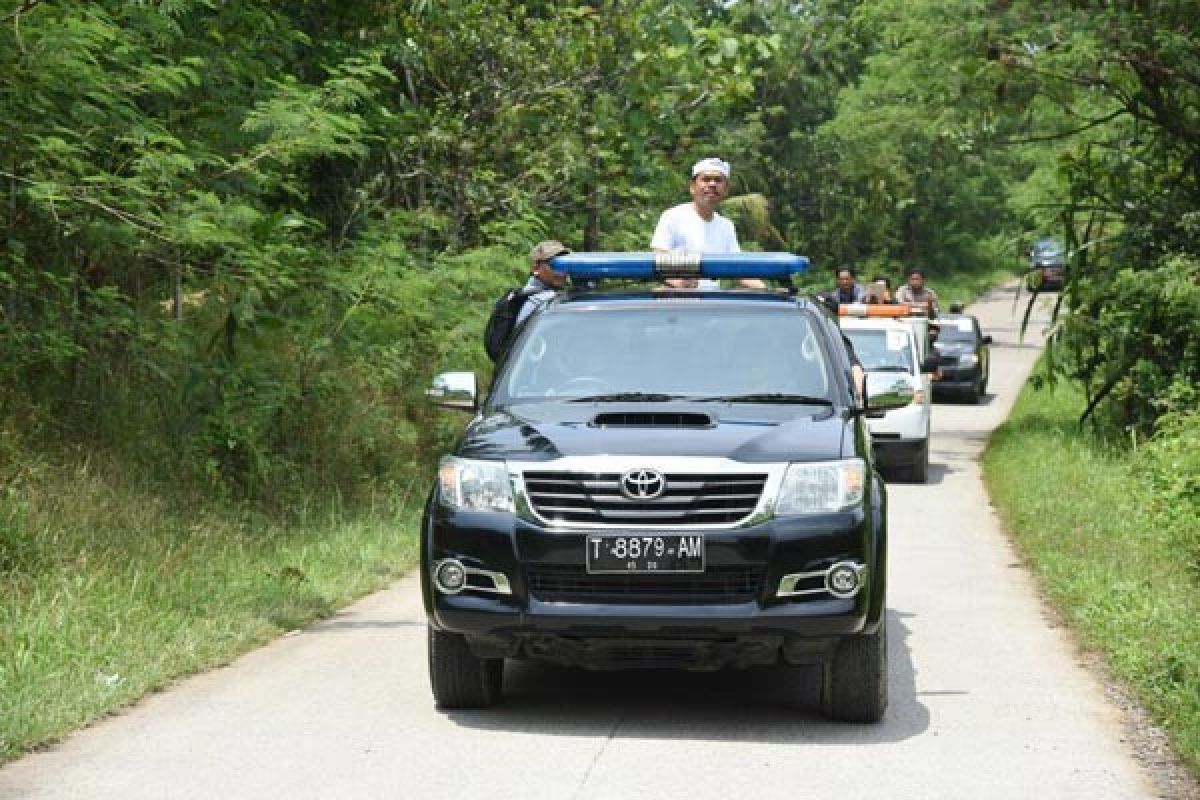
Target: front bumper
<point>732,615</point>
<point>1052,277</point>
<point>957,379</point>
<point>890,453</point>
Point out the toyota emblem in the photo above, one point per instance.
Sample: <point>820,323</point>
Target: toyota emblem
<point>643,484</point>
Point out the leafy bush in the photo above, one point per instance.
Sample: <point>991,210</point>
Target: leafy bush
<point>1169,464</point>
<point>1133,337</point>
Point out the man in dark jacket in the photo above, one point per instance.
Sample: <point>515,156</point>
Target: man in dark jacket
<point>848,289</point>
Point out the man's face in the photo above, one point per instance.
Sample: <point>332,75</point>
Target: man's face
<point>915,281</point>
<point>845,280</point>
<point>709,189</point>
<point>543,272</point>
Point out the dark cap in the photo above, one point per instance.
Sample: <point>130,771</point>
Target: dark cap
<point>544,251</point>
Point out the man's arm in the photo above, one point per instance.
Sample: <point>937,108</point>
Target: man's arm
<point>856,369</point>
<point>664,238</point>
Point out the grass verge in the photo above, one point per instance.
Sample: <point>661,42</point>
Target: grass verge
<point>1109,556</point>
<point>107,592</point>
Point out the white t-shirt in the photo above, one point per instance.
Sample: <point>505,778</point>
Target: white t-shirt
<point>682,228</point>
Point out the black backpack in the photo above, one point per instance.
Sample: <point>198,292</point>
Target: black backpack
<point>503,320</point>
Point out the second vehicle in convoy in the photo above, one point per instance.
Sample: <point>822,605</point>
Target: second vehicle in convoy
<point>895,347</point>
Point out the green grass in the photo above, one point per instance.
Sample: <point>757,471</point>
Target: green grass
<point>966,287</point>
<point>1113,559</point>
<point>108,592</point>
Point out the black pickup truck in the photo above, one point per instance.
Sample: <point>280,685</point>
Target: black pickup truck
<point>663,479</point>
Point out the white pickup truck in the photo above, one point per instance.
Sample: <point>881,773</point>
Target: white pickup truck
<point>896,345</point>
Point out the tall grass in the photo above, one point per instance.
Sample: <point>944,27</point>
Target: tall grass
<point>108,590</point>
<point>1113,547</point>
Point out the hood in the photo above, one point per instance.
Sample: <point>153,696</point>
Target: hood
<point>742,432</point>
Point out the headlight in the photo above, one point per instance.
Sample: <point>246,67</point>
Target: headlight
<point>968,359</point>
<point>467,485</point>
<point>821,487</point>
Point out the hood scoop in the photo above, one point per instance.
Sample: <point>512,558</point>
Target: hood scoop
<point>652,419</point>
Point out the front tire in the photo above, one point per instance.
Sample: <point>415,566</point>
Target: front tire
<point>855,685</point>
<point>918,471</point>
<point>978,388</point>
<point>460,679</point>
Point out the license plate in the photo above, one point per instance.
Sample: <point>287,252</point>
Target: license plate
<point>645,553</point>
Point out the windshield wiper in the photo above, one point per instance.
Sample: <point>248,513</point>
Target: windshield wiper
<point>625,397</point>
<point>890,368</point>
<point>767,397</point>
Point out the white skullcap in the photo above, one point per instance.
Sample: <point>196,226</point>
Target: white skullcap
<point>710,165</point>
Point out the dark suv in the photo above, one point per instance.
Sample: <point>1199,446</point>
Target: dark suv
<point>964,356</point>
<point>677,479</point>
<point>1048,263</point>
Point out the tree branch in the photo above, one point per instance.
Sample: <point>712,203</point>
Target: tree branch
<point>26,6</point>
<point>145,226</point>
<point>1095,123</point>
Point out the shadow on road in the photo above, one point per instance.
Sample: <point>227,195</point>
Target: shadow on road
<point>938,472</point>
<point>757,705</point>
<point>952,399</point>
<point>1016,345</point>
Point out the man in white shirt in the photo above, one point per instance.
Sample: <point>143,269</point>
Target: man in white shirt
<point>696,227</point>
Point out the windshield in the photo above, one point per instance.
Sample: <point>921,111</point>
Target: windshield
<point>956,330</point>
<point>883,350</point>
<point>657,354</point>
<point>1047,248</point>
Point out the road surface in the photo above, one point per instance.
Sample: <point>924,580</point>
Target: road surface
<point>988,697</point>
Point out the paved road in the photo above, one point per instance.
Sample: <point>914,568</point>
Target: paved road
<point>988,697</point>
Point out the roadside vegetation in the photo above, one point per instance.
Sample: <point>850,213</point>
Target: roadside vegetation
<point>1113,532</point>
<point>238,238</point>
<point>114,588</point>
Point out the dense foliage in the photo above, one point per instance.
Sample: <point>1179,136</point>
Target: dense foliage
<point>237,237</point>
<point>1117,88</point>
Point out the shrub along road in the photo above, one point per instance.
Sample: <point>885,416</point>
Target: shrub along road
<point>988,697</point>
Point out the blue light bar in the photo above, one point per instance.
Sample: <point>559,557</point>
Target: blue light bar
<point>651,266</point>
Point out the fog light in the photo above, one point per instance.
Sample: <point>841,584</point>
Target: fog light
<point>844,579</point>
<point>450,576</point>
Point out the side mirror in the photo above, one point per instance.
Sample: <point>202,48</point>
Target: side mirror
<point>887,390</point>
<point>453,390</point>
<point>931,362</point>
<point>987,338</point>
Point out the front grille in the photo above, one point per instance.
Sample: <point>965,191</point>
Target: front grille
<point>689,499</point>
<point>557,583</point>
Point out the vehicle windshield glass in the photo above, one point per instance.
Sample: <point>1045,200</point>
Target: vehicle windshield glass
<point>956,330</point>
<point>1047,248</point>
<point>883,350</point>
<point>660,353</point>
